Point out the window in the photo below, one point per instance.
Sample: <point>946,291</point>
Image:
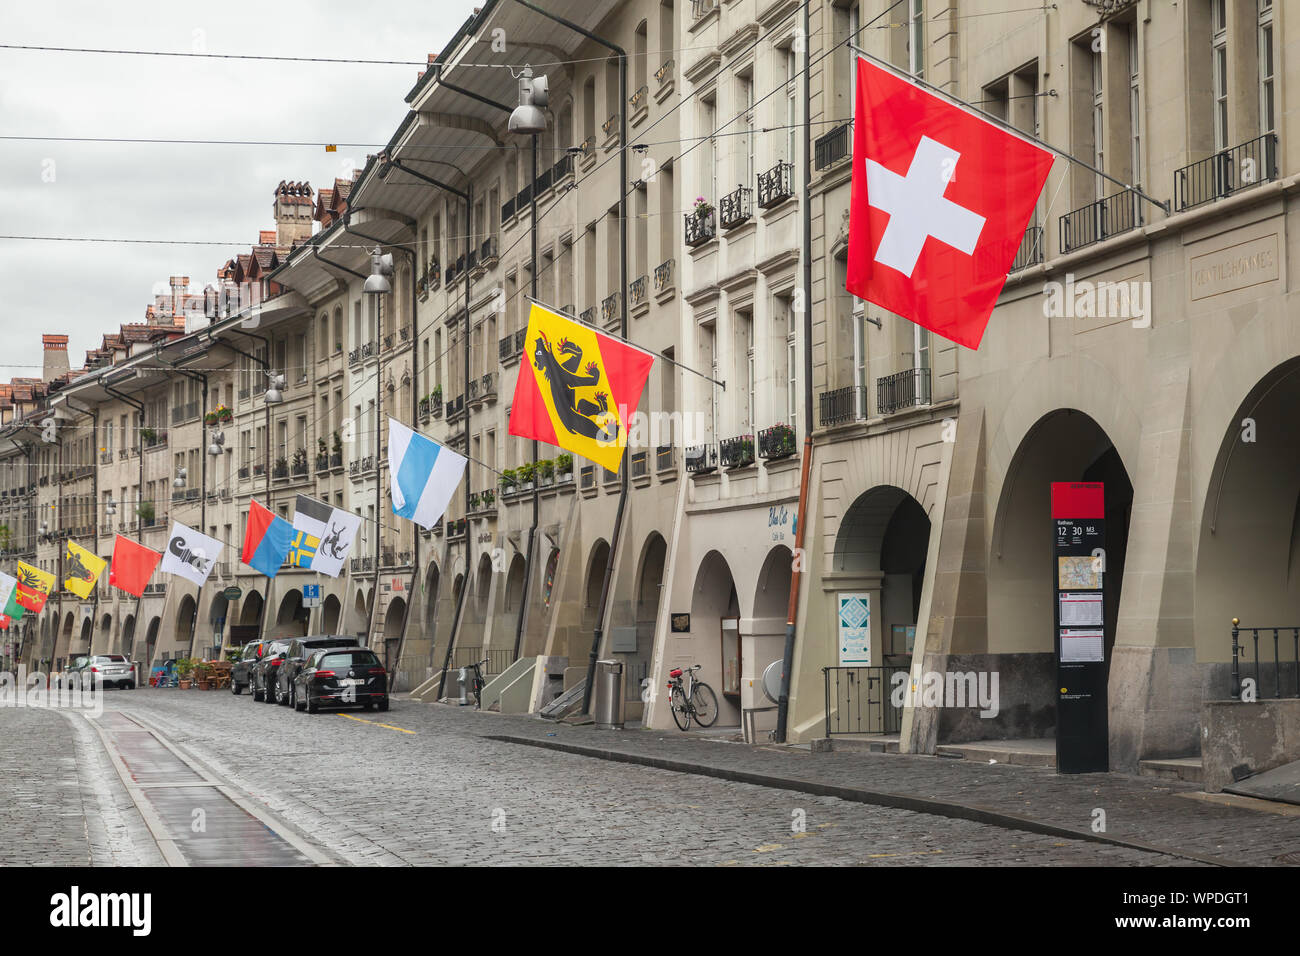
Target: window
<point>1098,121</point>
<point>745,100</point>
<point>709,154</point>
<point>1266,112</point>
<point>791,103</point>
<point>861,374</point>
<point>791,365</point>
<point>916,38</point>
<point>1219,44</point>
<point>1134,104</point>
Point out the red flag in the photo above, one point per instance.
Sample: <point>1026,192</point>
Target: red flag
<point>132,566</point>
<point>940,202</point>
<point>5,621</point>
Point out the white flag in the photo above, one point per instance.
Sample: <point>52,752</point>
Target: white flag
<point>190,553</point>
<point>332,529</point>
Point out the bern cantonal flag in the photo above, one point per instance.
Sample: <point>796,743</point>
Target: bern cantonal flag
<point>940,201</point>
<point>133,565</point>
<point>423,475</point>
<point>322,535</point>
<point>190,554</point>
<point>577,388</point>
<point>266,540</point>
<point>34,586</point>
<point>82,569</point>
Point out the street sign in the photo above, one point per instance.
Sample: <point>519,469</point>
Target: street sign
<point>311,595</point>
<point>232,593</point>
<point>1079,559</point>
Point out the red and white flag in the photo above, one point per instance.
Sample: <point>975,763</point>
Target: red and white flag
<point>940,202</point>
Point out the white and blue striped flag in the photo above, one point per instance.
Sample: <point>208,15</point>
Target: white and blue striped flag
<point>424,474</point>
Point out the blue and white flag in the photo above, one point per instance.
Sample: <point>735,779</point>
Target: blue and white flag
<point>424,474</point>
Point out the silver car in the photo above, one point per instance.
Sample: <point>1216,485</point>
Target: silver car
<point>112,669</point>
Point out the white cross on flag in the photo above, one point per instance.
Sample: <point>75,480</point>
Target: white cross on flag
<point>940,202</point>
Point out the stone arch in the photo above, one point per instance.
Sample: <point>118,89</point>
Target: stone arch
<point>332,614</point>
<point>250,610</point>
<point>291,618</point>
<point>714,599</point>
<point>185,615</point>
<point>593,581</point>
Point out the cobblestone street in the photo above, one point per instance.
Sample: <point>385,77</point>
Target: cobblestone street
<point>426,785</point>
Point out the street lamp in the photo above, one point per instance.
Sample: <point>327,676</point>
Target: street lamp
<point>181,475</point>
<point>381,267</point>
<point>533,97</point>
<point>110,507</point>
<point>275,390</point>
<point>218,444</point>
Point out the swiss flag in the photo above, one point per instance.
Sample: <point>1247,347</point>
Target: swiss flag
<point>941,199</point>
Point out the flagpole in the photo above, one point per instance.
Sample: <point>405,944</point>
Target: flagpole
<point>958,101</point>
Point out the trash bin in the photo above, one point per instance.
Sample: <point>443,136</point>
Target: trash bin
<point>610,706</point>
<point>465,679</point>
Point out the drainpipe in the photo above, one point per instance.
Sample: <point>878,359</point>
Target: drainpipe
<point>415,417</point>
<point>792,611</point>
<point>203,493</point>
<point>622,282</point>
<point>532,531</point>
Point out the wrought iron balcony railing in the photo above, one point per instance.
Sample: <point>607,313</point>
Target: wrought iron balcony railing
<point>638,99</point>
<point>831,148</point>
<point>776,185</point>
<point>699,228</point>
<point>636,291</point>
<point>1030,252</point>
<point>1100,220</point>
<point>664,458</point>
<point>904,389</point>
<point>609,309</point>
<point>1226,172</point>
<point>736,207</point>
<point>588,316</point>
<point>737,452</point>
<point>664,275</point>
<point>776,442</point>
<point>839,405</point>
<point>664,73</point>
<point>701,459</point>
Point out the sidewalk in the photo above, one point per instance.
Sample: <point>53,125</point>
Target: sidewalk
<point>1166,816</point>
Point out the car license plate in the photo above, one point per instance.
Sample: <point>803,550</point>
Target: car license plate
<point>351,681</point>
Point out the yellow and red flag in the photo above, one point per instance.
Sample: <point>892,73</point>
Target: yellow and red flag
<point>82,569</point>
<point>34,586</point>
<point>577,388</point>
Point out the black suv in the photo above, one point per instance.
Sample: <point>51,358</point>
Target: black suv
<point>241,674</point>
<point>341,677</point>
<point>261,675</point>
<point>300,648</point>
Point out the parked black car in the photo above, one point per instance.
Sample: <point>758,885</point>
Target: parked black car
<point>241,674</point>
<point>341,678</point>
<point>300,648</point>
<point>261,675</point>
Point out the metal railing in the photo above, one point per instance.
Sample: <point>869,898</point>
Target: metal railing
<point>839,405</point>
<point>776,442</point>
<point>858,700</point>
<point>737,452</point>
<point>1100,220</point>
<point>637,99</point>
<point>735,208</point>
<point>664,275</point>
<point>664,459</point>
<point>636,290</point>
<point>1030,252</point>
<point>775,185</point>
<point>588,316</point>
<point>563,167</point>
<point>664,73</point>
<point>831,148</point>
<point>610,125</point>
<point>1281,637</point>
<point>609,309</point>
<point>902,390</point>
<point>699,228</point>
<point>639,462</point>
<point>1226,172</point>
<point>701,459</point>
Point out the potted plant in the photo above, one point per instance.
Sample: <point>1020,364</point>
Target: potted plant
<point>224,414</point>
<point>473,501</point>
<point>703,209</point>
<point>489,499</point>
<point>201,675</point>
<point>209,418</point>
<point>546,471</point>
<point>436,394</point>
<point>564,468</point>
<point>184,667</point>
<point>149,435</point>
<point>146,513</point>
<point>300,461</point>
<point>508,479</point>
<point>336,451</point>
<point>322,454</point>
<point>281,467</point>
<point>525,473</point>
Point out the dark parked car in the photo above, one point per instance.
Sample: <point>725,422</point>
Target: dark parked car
<point>300,648</point>
<point>241,674</point>
<point>261,674</point>
<point>341,678</point>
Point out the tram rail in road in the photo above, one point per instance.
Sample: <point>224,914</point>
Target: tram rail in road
<point>196,818</point>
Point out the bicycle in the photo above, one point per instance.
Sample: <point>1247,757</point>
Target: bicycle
<point>691,697</point>
<point>477,683</point>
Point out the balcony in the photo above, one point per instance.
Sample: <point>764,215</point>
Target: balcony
<point>1100,220</point>
<point>508,209</point>
<point>639,464</point>
<point>185,413</point>
<point>701,459</point>
<point>483,388</point>
<point>737,452</point>
<point>699,228</point>
<point>839,405</point>
<point>664,458</point>
<point>609,312</point>
<point>354,356</point>
<point>509,346</point>
<point>735,208</point>
<point>638,99</point>
<point>259,470</point>
<point>664,275</point>
<point>369,350</point>
<point>1226,172</point>
<point>831,148</point>
<point>1030,252</point>
<point>154,438</point>
<point>435,274</point>
<point>422,409</point>
<point>487,252</point>
<point>776,185</point>
<point>902,390</point>
<point>776,443</point>
<point>702,8</point>
<point>106,457</point>
<point>588,316</point>
<point>280,470</point>
<point>455,408</point>
<point>636,291</point>
<point>298,468</point>
<point>664,75</point>
<point>610,126</point>
<point>243,471</point>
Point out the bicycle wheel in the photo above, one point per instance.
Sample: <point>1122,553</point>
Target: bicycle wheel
<point>705,704</point>
<point>680,714</point>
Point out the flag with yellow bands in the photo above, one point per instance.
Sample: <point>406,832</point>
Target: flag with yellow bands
<point>577,388</point>
<point>82,569</point>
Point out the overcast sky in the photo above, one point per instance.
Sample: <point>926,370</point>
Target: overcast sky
<point>174,191</point>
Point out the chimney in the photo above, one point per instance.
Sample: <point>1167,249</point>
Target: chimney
<point>56,356</point>
<point>180,288</point>
<point>293,209</point>
<point>266,237</point>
